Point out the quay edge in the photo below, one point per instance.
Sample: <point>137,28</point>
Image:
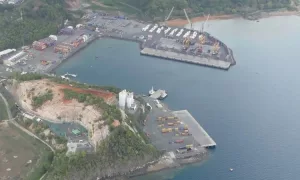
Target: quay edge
<point>186,58</point>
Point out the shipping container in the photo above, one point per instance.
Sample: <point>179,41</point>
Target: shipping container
<point>179,141</point>
<point>189,146</point>
<point>39,45</point>
<point>164,131</point>
<point>170,124</point>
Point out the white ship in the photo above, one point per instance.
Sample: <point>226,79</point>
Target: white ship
<point>159,94</point>
<point>73,75</point>
<point>64,77</point>
<point>163,94</point>
<point>151,91</point>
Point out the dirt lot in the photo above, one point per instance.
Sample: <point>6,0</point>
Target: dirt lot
<point>16,149</point>
<point>59,110</point>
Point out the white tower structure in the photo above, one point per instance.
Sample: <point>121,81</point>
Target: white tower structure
<point>129,100</point>
<point>122,98</point>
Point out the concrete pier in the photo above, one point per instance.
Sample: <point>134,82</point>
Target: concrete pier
<point>186,58</point>
<point>199,134</point>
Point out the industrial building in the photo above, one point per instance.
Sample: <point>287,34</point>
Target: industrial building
<point>14,59</point>
<point>126,99</point>
<point>6,52</point>
<point>129,99</point>
<point>74,147</point>
<point>122,98</point>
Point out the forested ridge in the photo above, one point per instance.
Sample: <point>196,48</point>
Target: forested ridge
<point>158,8</point>
<point>32,20</point>
<point>116,155</point>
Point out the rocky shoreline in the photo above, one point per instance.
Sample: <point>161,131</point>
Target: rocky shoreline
<point>164,162</point>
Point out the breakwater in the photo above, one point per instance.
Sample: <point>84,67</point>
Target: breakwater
<point>186,58</point>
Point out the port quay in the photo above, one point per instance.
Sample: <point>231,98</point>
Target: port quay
<point>172,43</point>
<point>175,131</point>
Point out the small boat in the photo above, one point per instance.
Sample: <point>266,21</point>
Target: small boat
<point>163,95</point>
<point>151,91</point>
<point>73,75</point>
<point>230,169</point>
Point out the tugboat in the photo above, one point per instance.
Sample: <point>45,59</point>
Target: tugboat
<point>163,95</point>
<point>151,91</point>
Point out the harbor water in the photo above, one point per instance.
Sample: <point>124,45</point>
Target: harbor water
<point>251,111</point>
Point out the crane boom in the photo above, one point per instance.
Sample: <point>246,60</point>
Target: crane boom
<point>205,22</point>
<point>167,18</point>
<point>187,17</point>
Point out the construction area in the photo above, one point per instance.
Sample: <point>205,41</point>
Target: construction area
<point>175,131</point>
<point>66,117</point>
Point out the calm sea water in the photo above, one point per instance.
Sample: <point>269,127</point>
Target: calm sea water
<point>251,111</point>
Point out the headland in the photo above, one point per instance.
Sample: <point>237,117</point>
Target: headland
<point>166,138</point>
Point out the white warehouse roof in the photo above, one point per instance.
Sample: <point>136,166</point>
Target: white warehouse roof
<point>7,51</point>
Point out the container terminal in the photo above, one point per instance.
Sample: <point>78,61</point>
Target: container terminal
<point>175,131</point>
<point>186,45</point>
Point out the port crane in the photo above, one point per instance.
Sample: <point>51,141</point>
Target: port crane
<point>187,17</point>
<point>186,42</point>
<point>168,17</point>
<point>216,48</point>
<point>203,24</point>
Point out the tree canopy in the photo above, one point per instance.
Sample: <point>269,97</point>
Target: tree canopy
<point>161,8</point>
<point>39,20</point>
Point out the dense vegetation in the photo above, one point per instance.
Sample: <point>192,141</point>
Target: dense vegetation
<point>116,155</point>
<point>40,19</point>
<point>39,100</point>
<point>36,76</point>
<point>160,8</point>
<point>3,113</point>
<point>10,100</point>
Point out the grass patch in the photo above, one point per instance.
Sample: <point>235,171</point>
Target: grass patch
<point>10,100</point>
<point>15,142</point>
<point>38,101</point>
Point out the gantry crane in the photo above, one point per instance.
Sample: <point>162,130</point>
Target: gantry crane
<point>202,39</point>
<point>203,24</point>
<point>216,48</point>
<point>187,42</point>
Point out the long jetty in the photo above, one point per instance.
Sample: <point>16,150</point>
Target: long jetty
<point>186,58</point>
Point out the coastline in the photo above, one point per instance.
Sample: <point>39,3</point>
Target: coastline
<point>182,22</point>
<point>54,67</point>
